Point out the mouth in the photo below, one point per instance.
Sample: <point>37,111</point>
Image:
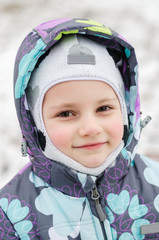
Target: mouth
<point>91,146</point>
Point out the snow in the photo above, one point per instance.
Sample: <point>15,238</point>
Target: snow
<point>137,21</point>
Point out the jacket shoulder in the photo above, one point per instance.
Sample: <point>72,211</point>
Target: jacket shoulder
<point>15,206</point>
<point>144,173</point>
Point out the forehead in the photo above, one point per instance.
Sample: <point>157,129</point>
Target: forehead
<point>81,88</point>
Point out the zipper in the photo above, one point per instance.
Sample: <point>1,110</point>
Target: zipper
<point>95,195</point>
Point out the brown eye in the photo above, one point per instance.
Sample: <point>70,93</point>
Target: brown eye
<point>103,108</point>
<point>65,114</point>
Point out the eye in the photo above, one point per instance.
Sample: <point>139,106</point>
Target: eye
<point>65,114</point>
<point>103,108</point>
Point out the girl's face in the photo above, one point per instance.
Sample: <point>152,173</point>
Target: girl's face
<point>84,120</point>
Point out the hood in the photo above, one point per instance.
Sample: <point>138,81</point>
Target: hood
<point>37,43</point>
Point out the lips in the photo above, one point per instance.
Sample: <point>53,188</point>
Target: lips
<point>91,146</point>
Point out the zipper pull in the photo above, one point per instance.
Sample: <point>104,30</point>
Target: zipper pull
<point>95,196</point>
<point>24,147</point>
<point>145,121</point>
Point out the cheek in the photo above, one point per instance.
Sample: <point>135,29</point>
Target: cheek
<point>61,137</point>
<point>116,130</point>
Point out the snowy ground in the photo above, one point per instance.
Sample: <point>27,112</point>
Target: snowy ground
<point>137,20</point>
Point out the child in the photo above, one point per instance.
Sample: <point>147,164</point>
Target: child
<point>77,101</point>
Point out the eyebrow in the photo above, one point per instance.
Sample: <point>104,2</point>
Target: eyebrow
<point>108,99</point>
<point>70,105</point>
<point>64,105</point>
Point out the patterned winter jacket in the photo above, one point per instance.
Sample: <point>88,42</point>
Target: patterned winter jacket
<point>47,200</point>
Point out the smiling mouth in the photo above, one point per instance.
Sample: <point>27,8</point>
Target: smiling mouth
<point>91,146</point>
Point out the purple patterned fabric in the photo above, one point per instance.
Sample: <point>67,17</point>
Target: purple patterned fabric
<point>42,28</point>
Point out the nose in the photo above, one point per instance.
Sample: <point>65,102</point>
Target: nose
<point>89,126</point>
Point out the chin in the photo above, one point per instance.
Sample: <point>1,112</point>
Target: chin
<point>92,162</point>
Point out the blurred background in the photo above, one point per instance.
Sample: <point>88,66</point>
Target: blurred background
<point>137,21</point>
